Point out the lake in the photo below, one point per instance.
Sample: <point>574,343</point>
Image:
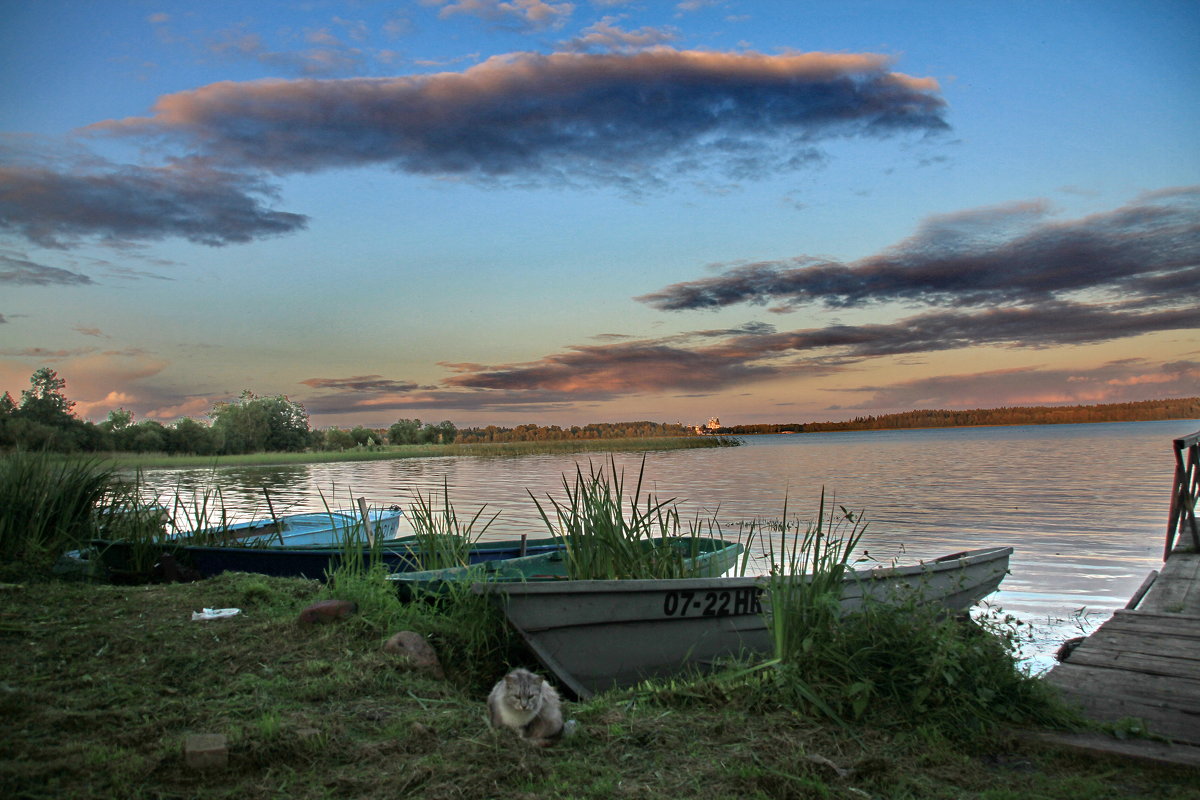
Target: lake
<point>1084,506</point>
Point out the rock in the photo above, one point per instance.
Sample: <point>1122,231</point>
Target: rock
<point>206,751</point>
<point>327,611</point>
<point>412,647</point>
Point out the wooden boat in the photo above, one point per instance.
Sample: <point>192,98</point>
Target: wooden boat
<point>397,555</point>
<point>702,556</point>
<point>597,635</point>
<point>324,528</point>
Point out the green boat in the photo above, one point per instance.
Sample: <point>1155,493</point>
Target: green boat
<point>697,557</point>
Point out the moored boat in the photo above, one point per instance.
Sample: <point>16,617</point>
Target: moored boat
<point>597,635</point>
<point>396,555</point>
<point>699,556</point>
<point>322,528</point>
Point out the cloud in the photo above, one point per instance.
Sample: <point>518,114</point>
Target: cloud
<point>326,55</point>
<point>91,332</point>
<point>1122,381</point>
<point>361,383</point>
<point>523,15</point>
<point>630,119</point>
<point>1009,255</point>
<point>606,36</point>
<point>1046,326</point>
<point>708,361</point>
<point>28,273</point>
<point>42,352</point>
<point>54,207</point>
<point>605,371</point>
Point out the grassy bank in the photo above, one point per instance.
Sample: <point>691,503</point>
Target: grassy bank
<point>385,452</point>
<point>102,684</point>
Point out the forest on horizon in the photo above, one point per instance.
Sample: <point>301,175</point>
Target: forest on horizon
<point>1140,411</point>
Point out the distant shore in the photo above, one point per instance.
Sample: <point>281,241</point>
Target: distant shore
<point>387,452</point>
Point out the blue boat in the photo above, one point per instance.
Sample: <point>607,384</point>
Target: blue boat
<point>118,560</point>
<point>321,528</point>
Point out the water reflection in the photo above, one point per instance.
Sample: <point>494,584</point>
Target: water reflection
<point>1084,506</point>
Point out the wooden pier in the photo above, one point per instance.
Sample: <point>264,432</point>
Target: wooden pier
<point>1144,663</point>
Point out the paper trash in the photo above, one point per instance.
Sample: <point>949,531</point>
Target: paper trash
<point>215,613</point>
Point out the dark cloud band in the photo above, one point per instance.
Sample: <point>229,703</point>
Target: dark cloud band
<point>53,207</point>
<point>1012,255</point>
<point>620,117</point>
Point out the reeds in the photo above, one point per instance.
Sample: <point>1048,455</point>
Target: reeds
<point>806,576</point>
<point>47,505</point>
<point>442,541</point>
<point>605,539</point>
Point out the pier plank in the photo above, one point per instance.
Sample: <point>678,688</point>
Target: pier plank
<point>1141,641</point>
<point>1089,681</point>
<point>1106,695</point>
<point>1177,626</point>
<point>1144,663</point>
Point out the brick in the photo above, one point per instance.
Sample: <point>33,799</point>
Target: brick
<point>206,751</point>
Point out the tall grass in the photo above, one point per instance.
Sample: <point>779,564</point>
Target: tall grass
<point>607,539</point>
<point>805,579</point>
<point>898,661</point>
<point>443,541</point>
<point>46,506</point>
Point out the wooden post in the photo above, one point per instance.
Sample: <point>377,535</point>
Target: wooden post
<point>366,518</point>
<point>524,538</point>
<point>274,519</point>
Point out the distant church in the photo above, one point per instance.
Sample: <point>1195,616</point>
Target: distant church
<point>711,426</point>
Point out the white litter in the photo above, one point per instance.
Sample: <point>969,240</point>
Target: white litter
<point>215,613</point>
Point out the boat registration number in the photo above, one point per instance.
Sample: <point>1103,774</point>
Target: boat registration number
<point>721,603</point>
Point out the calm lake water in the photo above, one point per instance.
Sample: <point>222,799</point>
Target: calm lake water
<point>1084,506</point>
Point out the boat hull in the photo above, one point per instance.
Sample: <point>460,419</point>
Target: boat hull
<point>399,555</point>
<point>318,528</point>
<point>707,558</point>
<point>598,635</point>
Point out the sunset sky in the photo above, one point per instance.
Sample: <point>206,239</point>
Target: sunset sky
<point>513,211</point>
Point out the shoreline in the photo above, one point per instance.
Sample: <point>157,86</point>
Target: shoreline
<point>390,452</point>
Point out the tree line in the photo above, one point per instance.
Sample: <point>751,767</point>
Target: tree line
<point>1140,411</point>
<point>43,419</point>
<point>597,430</point>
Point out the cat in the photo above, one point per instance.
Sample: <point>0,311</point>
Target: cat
<point>526,703</point>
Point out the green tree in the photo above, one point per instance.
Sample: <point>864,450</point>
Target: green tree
<point>447,431</point>
<point>405,431</point>
<point>338,439</point>
<point>261,424</point>
<point>189,436</point>
<point>44,400</point>
<point>149,436</point>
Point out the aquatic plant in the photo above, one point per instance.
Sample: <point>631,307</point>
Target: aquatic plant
<point>443,541</point>
<point>606,539</point>
<point>47,505</point>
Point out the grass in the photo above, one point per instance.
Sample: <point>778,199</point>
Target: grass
<point>385,452</point>
<point>101,684</point>
<point>442,540</point>
<point>607,539</point>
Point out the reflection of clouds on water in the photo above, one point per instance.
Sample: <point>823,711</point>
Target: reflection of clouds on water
<point>1083,506</point>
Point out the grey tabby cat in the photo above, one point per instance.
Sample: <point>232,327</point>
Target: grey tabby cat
<point>529,705</point>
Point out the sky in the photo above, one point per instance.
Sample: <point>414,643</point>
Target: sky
<point>501,212</point>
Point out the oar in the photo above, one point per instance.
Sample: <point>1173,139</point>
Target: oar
<point>275,519</point>
<point>362,507</point>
